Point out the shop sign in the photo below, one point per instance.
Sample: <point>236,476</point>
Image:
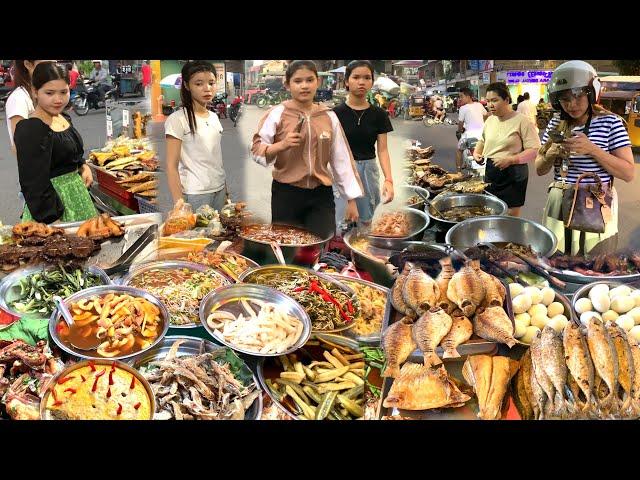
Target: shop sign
<point>220,76</point>
<point>486,77</point>
<point>125,118</point>
<point>528,76</point>
<point>109,128</point>
<point>481,65</point>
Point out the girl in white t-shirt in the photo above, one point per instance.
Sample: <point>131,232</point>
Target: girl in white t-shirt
<point>194,158</point>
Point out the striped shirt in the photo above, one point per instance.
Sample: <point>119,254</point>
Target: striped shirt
<point>605,131</point>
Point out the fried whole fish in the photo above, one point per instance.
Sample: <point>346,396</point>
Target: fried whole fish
<point>604,357</point>
<point>396,292</point>
<point>477,372</point>
<point>494,324</point>
<point>578,360</point>
<point>460,332</point>
<point>428,332</point>
<point>466,289</point>
<point>501,373</point>
<point>423,388</point>
<point>446,274</point>
<point>554,365</point>
<point>420,292</point>
<point>495,291</point>
<point>626,367</point>
<point>397,343</point>
<point>523,388</point>
<point>541,377</point>
<point>538,397</point>
<point>635,353</point>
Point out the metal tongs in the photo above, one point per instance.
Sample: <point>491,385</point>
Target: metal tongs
<point>123,263</point>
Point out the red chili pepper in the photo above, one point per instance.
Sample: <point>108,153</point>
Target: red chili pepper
<point>113,366</point>
<point>119,409</point>
<point>109,393</point>
<point>299,289</point>
<point>99,374</point>
<point>72,390</point>
<point>133,382</point>
<point>92,365</point>
<point>83,379</point>
<point>55,397</point>
<point>137,405</point>
<point>350,307</point>
<point>111,377</point>
<point>57,403</point>
<point>95,385</point>
<point>64,380</point>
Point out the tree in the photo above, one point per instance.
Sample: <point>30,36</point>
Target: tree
<point>628,67</point>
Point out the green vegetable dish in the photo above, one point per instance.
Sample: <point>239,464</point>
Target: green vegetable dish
<point>38,289</point>
<point>329,307</point>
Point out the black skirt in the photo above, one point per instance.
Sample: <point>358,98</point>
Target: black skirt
<point>510,184</point>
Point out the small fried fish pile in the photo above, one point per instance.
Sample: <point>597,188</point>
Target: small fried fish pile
<point>586,373</point>
<point>489,376</point>
<point>444,308</point>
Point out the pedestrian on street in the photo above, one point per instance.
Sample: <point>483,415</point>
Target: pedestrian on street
<point>146,77</point>
<point>301,140</point>
<point>508,143</point>
<point>51,167</point>
<point>528,109</point>
<point>596,142</point>
<point>470,121</point>
<point>195,171</point>
<point>366,127</point>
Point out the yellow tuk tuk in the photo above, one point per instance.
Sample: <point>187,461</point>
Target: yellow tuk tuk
<point>621,95</point>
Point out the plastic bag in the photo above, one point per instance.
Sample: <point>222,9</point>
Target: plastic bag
<point>181,218</point>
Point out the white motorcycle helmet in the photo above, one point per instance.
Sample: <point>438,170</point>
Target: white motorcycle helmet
<point>576,76</point>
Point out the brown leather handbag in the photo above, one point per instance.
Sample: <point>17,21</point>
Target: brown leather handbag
<point>587,207</point>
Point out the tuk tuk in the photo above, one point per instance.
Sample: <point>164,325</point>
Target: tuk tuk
<point>621,95</point>
<point>416,106</point>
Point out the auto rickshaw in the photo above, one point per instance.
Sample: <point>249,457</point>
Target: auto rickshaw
<point>416,108</point>
<point>621,95</point>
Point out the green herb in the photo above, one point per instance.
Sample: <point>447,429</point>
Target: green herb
<point>237,366</point>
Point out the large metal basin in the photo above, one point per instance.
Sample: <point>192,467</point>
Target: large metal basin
<point>449,201</point>
<point>501,228</point>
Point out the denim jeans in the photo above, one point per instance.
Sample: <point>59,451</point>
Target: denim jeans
<point>215,200</point>
<point>370,177</point>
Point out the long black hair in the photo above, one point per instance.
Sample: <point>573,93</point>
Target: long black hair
<point>190,69</point>
<point>352,66</point>
<point>47,72</point>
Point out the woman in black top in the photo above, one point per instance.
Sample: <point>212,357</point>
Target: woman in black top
<point>51,168</point>
<point>366,127</point>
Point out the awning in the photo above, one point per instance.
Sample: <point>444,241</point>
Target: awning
<point>408,63</point>
<point>339,70</point>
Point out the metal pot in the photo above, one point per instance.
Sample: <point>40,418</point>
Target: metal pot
<point>447,202</point>
<point>419,222</point>
<point>503,229</point>
<point>376,267</point>
<point>409,191</point>
<point>263,253</point>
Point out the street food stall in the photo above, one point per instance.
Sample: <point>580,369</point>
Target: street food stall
<point>443,308</point>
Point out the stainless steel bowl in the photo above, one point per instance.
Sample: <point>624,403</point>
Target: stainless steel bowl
<point>449,201</point>
<point>229,298</point>
<point>419,222</point>
<point>503,229</point>
<point>44,412</point>
<point>246,278</point>
<point>370,261</point>
<point>193,346</point>
<point>338,339</point>
<point>409,191</point>
<point>583,292</point>
<point>101,291</point>
<point>12,282</point>
<point>172,265</point>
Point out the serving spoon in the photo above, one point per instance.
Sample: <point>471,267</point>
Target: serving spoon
<point>66,314</point>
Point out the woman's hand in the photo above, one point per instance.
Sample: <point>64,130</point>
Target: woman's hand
<point>351,212</point>
<point>580,144</point>
<point>293,139</point>
<point>87,176</point>
<point>387,191</point>
<point>478,157</point>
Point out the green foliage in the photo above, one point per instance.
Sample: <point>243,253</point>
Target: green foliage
<point>628,67</point>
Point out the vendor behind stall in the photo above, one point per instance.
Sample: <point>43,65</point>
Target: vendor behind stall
<point>301,139</point>
<point>51,168</point>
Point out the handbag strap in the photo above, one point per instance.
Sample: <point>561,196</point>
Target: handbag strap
<point>587,175</point>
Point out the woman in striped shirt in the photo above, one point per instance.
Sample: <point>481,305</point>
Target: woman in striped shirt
<point>596,141</point>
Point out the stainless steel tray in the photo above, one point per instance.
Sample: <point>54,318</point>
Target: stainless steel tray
<point>194,346</point>
<point>169,265</point>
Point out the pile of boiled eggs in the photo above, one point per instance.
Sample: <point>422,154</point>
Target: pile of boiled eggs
<point>534,308</point>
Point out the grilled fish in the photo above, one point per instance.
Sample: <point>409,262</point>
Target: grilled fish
<point>501,373</point>
<point>541,377</point>
<point>635,353</point>
<point>397,342</point>
<point>604,357</point>
<point>477,372</point>
<point>422,388</point>
<point>626,367</point>
<point>495,291</point>
<point>578,361</point>
<point>493,324</point>
<point>466,289</point>
<point>554,365</point>
<point>461,331</point>
<point>396,292</point>
<point>442,280</point>
<point>420,292</point>
<point>523,388</point>
<point>428,332</point>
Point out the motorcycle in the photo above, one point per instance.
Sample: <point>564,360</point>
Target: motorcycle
<point>87,97</point>
<point>469,165</point>
<point>218,104</point>
<point>429,120</point>
<point>235,109</point>
<point>270,97</point>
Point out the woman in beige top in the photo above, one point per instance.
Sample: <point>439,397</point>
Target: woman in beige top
<point>509,141</point>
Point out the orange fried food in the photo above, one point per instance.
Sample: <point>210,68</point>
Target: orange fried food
<point>394,224</point>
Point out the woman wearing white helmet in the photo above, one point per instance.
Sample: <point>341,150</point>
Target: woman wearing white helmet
<point>595,141</point>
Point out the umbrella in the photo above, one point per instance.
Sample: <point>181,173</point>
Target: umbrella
<point>339,70</point>
<point>174,80</point>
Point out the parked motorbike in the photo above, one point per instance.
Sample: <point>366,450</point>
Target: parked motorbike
<point>235,109</point>
<point>429,120</point>
<point>269,98</point>
<point>469,165</point>
<point>87,97</point>
<point>219,104</point>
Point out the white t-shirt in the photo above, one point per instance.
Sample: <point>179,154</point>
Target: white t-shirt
<point>527,109</point>
<point>201,169</point>
<point>18,104</point>
<point>472,116</point>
